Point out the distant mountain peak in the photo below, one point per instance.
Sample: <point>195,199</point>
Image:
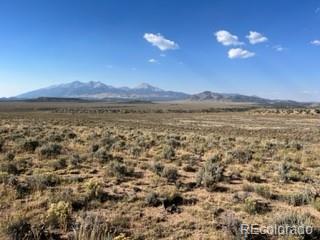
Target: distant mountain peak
<point>147,86</point>
<point>144,85</point>
<point>97,84</point>
<point>76,82</point>
<point>99,90</point>
<point>227,97</point>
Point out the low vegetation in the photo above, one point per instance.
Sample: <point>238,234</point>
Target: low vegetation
<point>155,171</point>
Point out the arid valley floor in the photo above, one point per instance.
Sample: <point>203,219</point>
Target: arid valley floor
<point>88,171</point>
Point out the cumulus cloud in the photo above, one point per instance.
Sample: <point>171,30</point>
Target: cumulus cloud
<point>255,37</point>
<point>239,53</point>
<point>315,42</point>
<point>227,39</point>
<point>160,41</point>
<point>152,60</point>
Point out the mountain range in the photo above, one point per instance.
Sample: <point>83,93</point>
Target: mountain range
<point>100,91</point>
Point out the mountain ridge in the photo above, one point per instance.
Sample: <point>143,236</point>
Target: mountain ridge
<point>96,90</point>
<point>99,90</point>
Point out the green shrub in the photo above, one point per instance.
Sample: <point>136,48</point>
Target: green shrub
<point>168,152</point>
<point>55,137</point>
<point>94,189</point>
<point>240,156</point>
<point>292,219</point>
<point>254,206</point>
<point>9,156</point>
<point>250,206</point>
<point>170,173</point>
<point>75,160</point>
<point>171,200</point>
<point>248,187</point>
<point>135,151</point>
<point>71,135</point>
<point>19,229</point>
<point>316,204</point>
<point>103,156</point>
<point>61,194</point>
<point>94,148</point>
<point>189,168</point>
<point>287,172</point>
<point>9,168</point>
<point>157,168</point>
<point>230,222</point>
<point>50,151</point>
<point>174,141</point>
<point>119,146</point>
<point>299,199</point>
<point>118,170</point>
<point>4,177</point>
<point>264,191</point>
<point>30,145</point>
<point>108,140</point>
<point>295,175</point>
<point>39,182</point>
<point>253,177</point>
<point>59,214</point>
<point>1,145</point>
<point>92,227</point>
<point>211,173</point>
<point>58,164</point>
<point>152,199</point>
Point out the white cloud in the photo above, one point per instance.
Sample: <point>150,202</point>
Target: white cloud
<point>308,92</point>
<point>160,41</point>
<point>255,37</point>
<point>317,10</point>
<point>315,42</point>
<point>152,60</point>
<point>227,39</point>
<point>239,53</point>
<point>278,48</point>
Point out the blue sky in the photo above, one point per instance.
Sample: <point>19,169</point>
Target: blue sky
<point>188,46</point>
